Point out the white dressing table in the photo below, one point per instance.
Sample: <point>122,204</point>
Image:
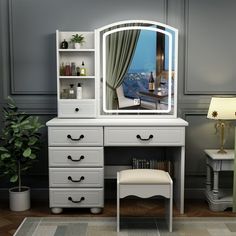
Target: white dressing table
<point>76,147</point>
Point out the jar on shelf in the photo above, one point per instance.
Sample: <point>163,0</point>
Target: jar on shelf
<point>64,44</point>
<point>73,69</point>
<point>78,71</point>
<point>67,69</point>
<point>64,94</point>
<point>71,94</point>
<point>62,69</point>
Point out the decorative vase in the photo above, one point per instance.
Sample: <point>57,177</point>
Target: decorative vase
<point>77,45</point>
<point>64,44</point>
<point>19,201</point>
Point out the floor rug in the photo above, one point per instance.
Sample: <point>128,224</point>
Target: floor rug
<point>103,226</point>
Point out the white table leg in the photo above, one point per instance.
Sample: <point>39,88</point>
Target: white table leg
<point>208,179</point>
<point>216,185</point>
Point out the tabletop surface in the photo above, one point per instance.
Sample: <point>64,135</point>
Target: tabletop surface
<point>212,153</point>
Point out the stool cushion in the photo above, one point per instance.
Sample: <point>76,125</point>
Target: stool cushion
<point>144,176</point>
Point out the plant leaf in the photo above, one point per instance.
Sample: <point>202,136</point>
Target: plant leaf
<point>27,152</point>
<point>14,178</point>
<point>18,143</point>
<point>3,149</point>
<point>5,156</point>
<point>32,141</point>
<point>32,156</point>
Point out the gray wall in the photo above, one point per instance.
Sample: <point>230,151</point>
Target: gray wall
<point>207,62</point>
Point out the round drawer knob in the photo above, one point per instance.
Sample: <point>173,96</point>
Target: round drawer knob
<point>76,109</point>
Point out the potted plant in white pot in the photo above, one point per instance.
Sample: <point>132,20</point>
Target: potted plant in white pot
<point>19,148</point>
<point>77,40</point>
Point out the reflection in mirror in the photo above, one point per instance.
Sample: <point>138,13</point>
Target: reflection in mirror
<point>139,69</point>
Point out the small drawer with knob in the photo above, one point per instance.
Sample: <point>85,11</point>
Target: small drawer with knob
<point>76,156</point>
<point>76,177</point>
<point>71,197</point>
<point>75,136</point>
<point>76,108</point>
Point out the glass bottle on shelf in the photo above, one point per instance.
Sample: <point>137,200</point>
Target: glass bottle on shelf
<point>64,44</point>
<point>64,94</point>
<point>77,71</point>
<point>83,70</point>
<point>71,94</point>
<point>67,69</point>
<point>79,93</point>
<point>73,69</point>
<point>62,69</point>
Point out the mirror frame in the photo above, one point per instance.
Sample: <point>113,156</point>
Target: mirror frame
<point>100,40</point>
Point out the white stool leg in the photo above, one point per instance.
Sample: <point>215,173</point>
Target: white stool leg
<point>118,204</point>
<point>171,208</point>
<point>170,214</point>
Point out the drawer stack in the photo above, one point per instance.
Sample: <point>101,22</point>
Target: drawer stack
<point>76,173</point>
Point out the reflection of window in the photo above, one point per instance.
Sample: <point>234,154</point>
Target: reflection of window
<point>143,62</point>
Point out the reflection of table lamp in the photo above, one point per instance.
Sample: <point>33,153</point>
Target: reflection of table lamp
<point>222,109</point>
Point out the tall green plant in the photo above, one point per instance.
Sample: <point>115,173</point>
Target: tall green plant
<point>19,142</point>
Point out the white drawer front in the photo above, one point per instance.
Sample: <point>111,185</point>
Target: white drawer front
<point>75,136</point>
<point>76,108</point>
<point>144,136</point>
<point>76,177</point>
<point>76,197</point>
<point>75,156</point>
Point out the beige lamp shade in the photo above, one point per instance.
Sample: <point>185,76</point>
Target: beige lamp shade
<point>222,108</point>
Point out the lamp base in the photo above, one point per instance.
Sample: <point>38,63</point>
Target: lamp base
<point>222,151</point>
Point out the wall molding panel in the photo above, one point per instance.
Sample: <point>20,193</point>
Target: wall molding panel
<point>209,51</point>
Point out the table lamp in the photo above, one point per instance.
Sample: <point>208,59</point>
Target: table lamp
<point>222,109</point>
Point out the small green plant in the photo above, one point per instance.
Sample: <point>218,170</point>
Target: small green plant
<point>19,142</point>
<point>76,38</point>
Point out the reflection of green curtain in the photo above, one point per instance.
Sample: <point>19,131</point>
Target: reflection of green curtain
<point>120,49</point>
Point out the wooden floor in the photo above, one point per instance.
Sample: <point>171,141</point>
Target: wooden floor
<point>9,221</point>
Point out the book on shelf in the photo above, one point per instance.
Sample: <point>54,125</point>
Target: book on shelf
<point>165,165</point>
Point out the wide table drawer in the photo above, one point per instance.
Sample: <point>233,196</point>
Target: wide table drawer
<point>75,156</point>
<point>75,136</point>
<point>76,197</point>
<point>76,177</point>
<point>76,108</point>
<point>144,136</point>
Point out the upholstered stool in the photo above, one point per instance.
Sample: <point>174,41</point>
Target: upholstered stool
<point>145,183</point>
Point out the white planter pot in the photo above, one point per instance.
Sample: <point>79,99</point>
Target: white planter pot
<point>19,201</point>
<point>77,45</point>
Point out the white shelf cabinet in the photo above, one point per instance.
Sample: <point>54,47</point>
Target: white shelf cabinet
<point>76,108</point>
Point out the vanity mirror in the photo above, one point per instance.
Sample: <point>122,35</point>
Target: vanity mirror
<point>137,68</point>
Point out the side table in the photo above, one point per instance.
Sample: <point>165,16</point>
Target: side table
<point>218,199</point>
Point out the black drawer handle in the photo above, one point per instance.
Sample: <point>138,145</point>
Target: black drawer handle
<point>71,199</point>
<point>75,139</point>
<point>76,109</point>
<point>76,181</point>
<point>75,160</point>
<point>144,139</point>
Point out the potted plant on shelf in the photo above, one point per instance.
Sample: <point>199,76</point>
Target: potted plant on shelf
<point>77,40</point>
<point>19,148</point>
